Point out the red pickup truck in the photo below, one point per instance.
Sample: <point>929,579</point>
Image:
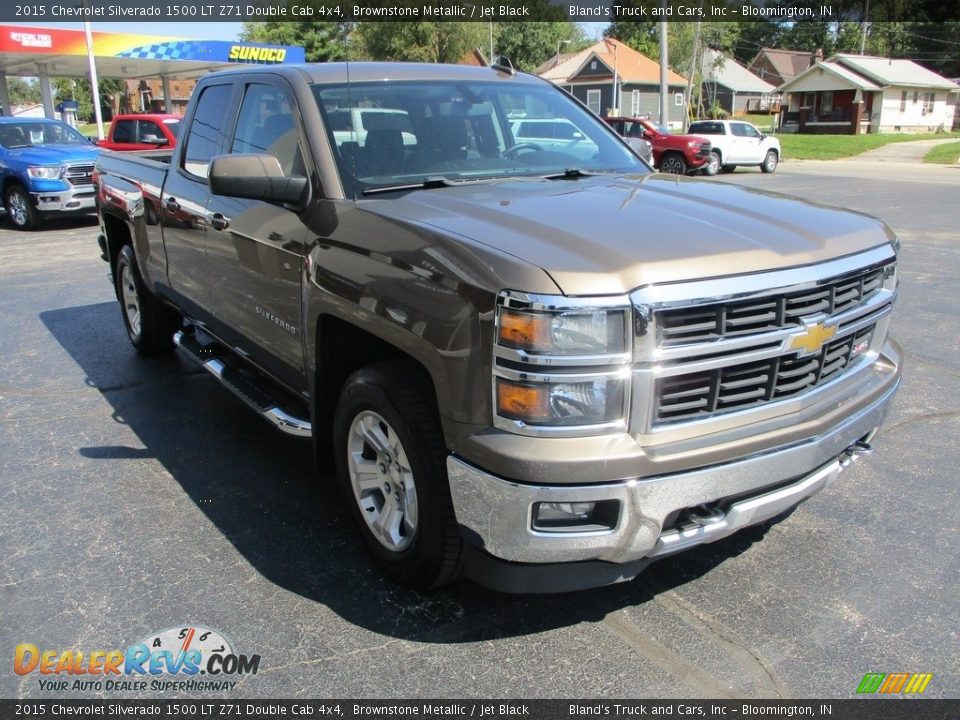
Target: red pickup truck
<point>677,154</point>
<point>142,132</point>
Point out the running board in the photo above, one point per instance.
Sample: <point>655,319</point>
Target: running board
<point>245,389</point>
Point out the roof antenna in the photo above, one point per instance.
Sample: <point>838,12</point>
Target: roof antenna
<point>503,64</point>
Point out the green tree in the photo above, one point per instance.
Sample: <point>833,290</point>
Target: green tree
<point>322,41</point>
<point>23,91</point>
<point>79,89</point>
<point>530,44</point>
<point>442,42</point>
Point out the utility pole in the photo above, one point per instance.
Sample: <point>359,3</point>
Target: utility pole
<point>94,84</point>
<point>664,69</point>
<point>693,69</point>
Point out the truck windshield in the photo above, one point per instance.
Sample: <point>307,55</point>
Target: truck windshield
<point>24,134</point>
<point>404,133</point>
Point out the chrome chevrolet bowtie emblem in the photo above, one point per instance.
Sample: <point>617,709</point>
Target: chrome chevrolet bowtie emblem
<point>812,338</point>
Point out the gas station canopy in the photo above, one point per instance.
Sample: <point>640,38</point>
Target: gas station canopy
<point>39,51</point>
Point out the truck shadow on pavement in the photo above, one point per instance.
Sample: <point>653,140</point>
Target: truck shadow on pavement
<point>260,490</point>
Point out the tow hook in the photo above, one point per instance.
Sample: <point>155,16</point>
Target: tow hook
<point>703,515</point>
<point>854,452</point>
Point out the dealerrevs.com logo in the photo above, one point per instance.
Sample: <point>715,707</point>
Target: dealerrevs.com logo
<point>188,659</point>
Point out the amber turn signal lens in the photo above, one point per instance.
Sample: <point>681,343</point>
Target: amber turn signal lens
<point>522,402</point>
<point>523,330</point>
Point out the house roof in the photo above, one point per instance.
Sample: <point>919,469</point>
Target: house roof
<point>875,73</point>
<point>631,66</point>
<point>887,71</point>
<point>787,63</point>
<point>724,70</point>
<point>853,79</point>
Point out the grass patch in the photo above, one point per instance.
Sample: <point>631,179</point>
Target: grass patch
<point>947,154</point>
<point>832,147</point>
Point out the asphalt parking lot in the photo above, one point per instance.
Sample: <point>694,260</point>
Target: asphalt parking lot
<point>138,495</point>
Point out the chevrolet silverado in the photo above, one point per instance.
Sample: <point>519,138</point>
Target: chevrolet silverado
<point>541,367</point>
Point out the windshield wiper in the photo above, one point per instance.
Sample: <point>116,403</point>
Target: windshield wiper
<point>430,183</point>
<point>571,174</point>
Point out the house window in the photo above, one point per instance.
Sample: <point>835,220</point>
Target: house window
<point>635,103</point>
<point>928,101</point>
<point>593,101</point>
<point>678,99</point>
<point>903,101</point>
<point>794,104</point>
<point>916,96</point>
<point>593,64</point>
<point>826,102</point>
<point>809,99</point>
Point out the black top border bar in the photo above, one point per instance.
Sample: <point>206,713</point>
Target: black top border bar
<point>193,11</point>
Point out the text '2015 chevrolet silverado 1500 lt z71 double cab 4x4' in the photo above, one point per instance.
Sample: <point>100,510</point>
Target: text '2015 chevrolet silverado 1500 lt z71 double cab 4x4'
<point>544,367</point>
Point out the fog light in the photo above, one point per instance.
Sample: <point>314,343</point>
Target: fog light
<point>565,511</point>
<point>576,516</point>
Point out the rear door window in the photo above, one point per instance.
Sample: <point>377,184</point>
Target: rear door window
<point>123,131</point>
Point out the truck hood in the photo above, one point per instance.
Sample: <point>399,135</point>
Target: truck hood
<point>54,154</point>
<point>612,234</point>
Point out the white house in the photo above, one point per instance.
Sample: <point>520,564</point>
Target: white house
<point>851,94</point>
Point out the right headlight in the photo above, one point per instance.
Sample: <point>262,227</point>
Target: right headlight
<point>561,365</point>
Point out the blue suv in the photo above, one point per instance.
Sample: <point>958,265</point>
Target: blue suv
<point>46,168</point>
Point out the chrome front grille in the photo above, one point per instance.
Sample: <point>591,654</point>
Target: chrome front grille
<point>705,323</point>
<point>738,350</point>
<point>79,175</point>
<point>745,385</point>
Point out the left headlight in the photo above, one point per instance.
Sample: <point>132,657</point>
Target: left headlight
<point>561,365</point>
<point>45,172</point>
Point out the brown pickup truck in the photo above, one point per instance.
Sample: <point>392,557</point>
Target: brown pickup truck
<point>542,365</point>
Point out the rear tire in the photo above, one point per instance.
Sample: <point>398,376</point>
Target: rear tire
<point>20,210</point>
<point>391,468</point>
<point>673,164</point>
<point>149,323</point>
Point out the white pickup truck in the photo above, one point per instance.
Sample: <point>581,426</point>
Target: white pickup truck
<point>734,143</point>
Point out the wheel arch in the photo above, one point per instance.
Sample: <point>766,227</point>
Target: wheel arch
<point>116,230</point>
<point>342,348</point>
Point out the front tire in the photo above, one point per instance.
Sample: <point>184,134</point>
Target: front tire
<point>391,467</point>
<point>728,168</point>
<point>673,164</point>
<point>770,162</point>
<point>150,324</point>
<point>20,210</point>
<point>713,164</point>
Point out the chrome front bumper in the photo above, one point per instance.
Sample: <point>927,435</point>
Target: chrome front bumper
<point>74,199</point>
<point>496,514</point>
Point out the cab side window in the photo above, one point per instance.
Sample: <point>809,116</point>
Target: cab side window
<point>206,133</point>
<point>266,125</point>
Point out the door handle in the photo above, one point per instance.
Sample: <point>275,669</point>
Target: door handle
<point>171,204</point>
<point>219,222</point>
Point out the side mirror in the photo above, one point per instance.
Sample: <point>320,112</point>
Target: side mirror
<point>645,134</point>
<point>254,176</point>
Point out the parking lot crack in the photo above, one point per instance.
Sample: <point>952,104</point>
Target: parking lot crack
<point>690,675</point>
<point>924,417</point>
<point>749,659</point>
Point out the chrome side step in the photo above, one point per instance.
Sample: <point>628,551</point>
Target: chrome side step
<point>205,354</point>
